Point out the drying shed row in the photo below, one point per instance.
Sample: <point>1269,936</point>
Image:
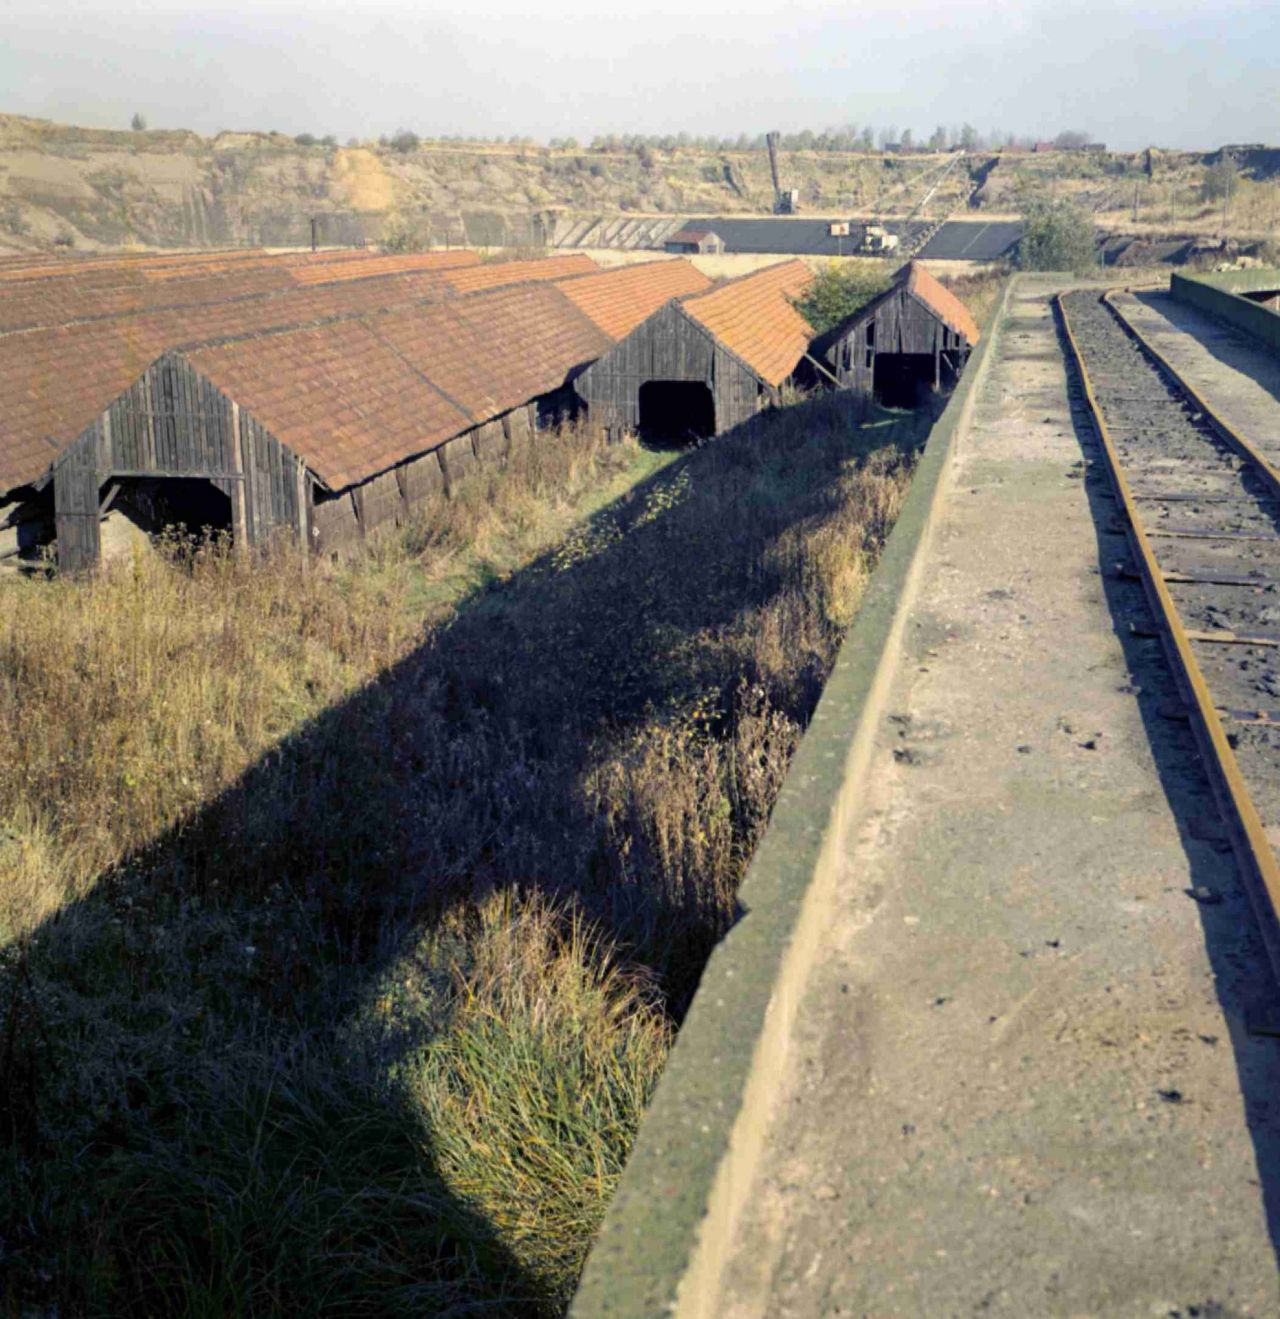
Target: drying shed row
<point>915,334</point>
<point>77,295</point>
<point>54,381</point>
<point>706,361</point>
<point>334,429</point>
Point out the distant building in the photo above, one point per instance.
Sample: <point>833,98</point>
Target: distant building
<point>695,242</point>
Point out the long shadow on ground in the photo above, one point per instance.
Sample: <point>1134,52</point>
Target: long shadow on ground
<point>1243,979</point>
<point>194,1115</point>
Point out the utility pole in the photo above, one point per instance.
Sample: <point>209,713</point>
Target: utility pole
<point>314,227</point>
<point>1136,186</point>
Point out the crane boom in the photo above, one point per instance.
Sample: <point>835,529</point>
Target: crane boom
<point>784,203</point>
<point>771,140</point>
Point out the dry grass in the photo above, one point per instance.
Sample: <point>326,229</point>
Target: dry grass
<point>979,291</point>
<point>347,916</point>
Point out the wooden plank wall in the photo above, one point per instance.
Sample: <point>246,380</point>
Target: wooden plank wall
<point>668,346</point>
<point>75,507</point>
<point>173,423</point>
<point>389,499</point>
<point>899,324</point>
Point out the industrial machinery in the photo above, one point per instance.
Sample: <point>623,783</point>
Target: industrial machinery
<point>784,202</point>
<point>876,238</point>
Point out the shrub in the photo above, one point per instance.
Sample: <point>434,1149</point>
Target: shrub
<point>404,141</point>
<point>306,139</point>
<point>12,219</point>
<point>1057,234</point>
<point>840,289</point>
<point>138,123</point>
<point>1219,179</point>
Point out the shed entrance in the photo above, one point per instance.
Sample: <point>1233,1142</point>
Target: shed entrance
<point>144,506</point>
<point>676,411</point>
<point>903,380</point>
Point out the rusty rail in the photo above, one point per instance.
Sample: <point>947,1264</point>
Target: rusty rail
<point>1253,850</point>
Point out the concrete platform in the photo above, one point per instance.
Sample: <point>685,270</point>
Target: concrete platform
<point>1238,378</point>
<point>1021,1082</point>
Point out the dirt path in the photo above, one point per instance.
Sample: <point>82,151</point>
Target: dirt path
<point>1023,1084</point>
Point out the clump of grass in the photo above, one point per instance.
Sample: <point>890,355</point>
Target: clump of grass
<point>348,914</point>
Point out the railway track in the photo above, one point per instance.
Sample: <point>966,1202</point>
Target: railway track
<point>1201,508</point>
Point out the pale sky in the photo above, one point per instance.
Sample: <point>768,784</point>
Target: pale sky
<point>1169,72</point>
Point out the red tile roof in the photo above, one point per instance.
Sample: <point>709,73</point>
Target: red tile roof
<point>394,263</point>
<point>942,302</point>
<point>356,397</point>
<point>690,235</point>
<point>26,305</point>
<point>354,375</point>
<point>493,273</point>
<point>617,300</point>
<point>54,381</point>
<point>44,266</point>
<point>754,318</point>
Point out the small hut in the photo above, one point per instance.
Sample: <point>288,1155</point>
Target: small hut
<point>696,242</point>
<point>915,334</point>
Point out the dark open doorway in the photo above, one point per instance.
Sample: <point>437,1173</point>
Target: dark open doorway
<point>136,508</point>
<point>676,411</point>
<point>903,380</point>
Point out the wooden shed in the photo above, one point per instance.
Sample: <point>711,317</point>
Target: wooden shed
<point>915,334</point>
<point>705,362</point>
<point>76,335</point>
<point>695,242</point>
<point>330,430</point>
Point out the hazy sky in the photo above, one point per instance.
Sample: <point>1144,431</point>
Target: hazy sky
<point>1168,72</point>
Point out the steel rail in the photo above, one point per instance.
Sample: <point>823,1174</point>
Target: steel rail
<point>1253,849</point>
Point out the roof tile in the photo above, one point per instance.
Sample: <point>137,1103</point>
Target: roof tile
<point>754,317</point>
<point>54,381</point>
<point>942,302</point>
<point>617,300</point>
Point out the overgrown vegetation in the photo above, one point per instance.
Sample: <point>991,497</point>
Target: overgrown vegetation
<point>841,288</point>
<point>1219,179</point>
<point>1057,235</point>
<point>347,914</point>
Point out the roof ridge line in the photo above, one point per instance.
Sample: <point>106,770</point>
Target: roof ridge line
<point>749,274</point>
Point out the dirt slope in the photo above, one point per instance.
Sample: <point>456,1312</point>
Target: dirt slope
<point>92,188</point>
<point>96,188</point>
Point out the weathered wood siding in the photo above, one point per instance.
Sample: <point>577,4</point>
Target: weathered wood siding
<point>389,499</point>
<point>896,324</point>
<point>668,346</point>
<point>173,423</point>
<point>75,508</point>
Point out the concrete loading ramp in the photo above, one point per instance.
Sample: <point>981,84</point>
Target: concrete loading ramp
<point>971,1047</point>
<point>950,240</point>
